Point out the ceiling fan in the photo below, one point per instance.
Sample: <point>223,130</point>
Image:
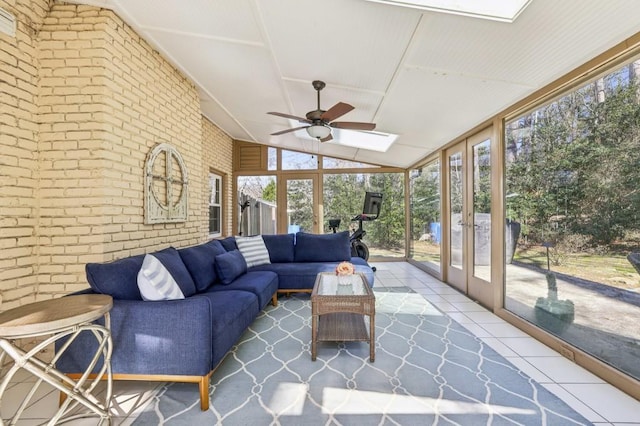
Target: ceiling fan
<point>319,122</point>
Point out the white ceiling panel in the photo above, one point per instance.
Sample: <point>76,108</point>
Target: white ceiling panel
<point>352,42</point>
<point>241,77</point>
<point>225,19</point>
<point>428,77</point>
<point>432,106</point>
<point>221,118</point>
<point>541,45</point>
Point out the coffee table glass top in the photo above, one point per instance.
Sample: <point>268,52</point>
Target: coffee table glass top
<point>331,284</point>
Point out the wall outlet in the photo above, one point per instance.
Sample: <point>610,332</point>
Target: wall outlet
<point>567,353</point>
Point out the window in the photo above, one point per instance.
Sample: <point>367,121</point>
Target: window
<point>573,216</point>
<point>424,187</point>
<point>215,205</point>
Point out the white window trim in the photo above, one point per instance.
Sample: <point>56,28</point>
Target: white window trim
<point>220,204</point>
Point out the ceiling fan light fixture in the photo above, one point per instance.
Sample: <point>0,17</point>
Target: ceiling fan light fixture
<point>319,131</point>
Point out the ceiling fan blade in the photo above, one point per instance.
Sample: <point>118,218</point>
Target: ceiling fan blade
<point>335,111</point>
<point>327,139</point>
<point>292,117</point>
<point>352,125</point>
<point>282,132</point>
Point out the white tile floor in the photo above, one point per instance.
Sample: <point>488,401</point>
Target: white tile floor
<point>597,401</point>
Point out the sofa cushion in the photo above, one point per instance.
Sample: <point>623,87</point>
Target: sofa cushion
<point>155,281</point>
<point>117,279</point>
<point>263,284</point>
<point>230,265</point>
<point>229,243</point>
<point>280,247</point>
<point>200,262</point>
<point>232,312</point>
<point>253,250</point>
<point>322,247</point>
<point>303,275</point>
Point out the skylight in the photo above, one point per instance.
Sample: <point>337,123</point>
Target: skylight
<point>374,141</point>
<point>497,10</point>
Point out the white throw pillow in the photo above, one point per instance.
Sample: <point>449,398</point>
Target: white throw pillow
<point>253,250</point>
<point>155,282</point>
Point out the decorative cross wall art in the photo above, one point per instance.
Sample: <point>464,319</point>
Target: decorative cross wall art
<point>166,186</point>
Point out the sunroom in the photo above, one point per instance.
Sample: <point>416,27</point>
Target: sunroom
<point>505,149</point>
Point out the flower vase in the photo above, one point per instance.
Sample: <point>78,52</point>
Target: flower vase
<point>344,279</point>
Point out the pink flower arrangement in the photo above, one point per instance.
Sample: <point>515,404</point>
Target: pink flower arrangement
<point>345,268</point>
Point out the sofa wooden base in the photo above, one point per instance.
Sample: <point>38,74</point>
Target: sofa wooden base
<point>288,292</point>
<point>203,383</point>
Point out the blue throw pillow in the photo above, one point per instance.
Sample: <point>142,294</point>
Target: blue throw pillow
<point>171,260</point>
<point>119,278</point>
<point>229,243</point>
<point>280,247</point>
<point>322,247</point>
<point>230,265</point>
<point>200,261</point>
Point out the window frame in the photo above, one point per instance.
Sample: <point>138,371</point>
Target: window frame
<point>215,177</point>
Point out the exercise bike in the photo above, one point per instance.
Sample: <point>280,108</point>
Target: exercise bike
<point>370,211</point>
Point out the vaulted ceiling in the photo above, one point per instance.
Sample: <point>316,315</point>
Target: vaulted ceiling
<point>426,76</point>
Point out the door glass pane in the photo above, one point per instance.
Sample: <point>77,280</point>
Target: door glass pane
<point>424,185</point>
<point>456,180</point>
<point>482,210</point>
<point>299,205</point>
<point>257,211</point>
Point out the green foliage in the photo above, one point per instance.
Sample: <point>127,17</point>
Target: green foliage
<point>269,191</point>
<point>425,199</point>
<point>573,166</point>
<point>344,198</point>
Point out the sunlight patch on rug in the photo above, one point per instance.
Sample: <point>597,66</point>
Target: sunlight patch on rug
<point>350,401</point>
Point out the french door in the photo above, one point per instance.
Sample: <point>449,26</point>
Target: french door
<point>468,206</point>
<point>300,196</point>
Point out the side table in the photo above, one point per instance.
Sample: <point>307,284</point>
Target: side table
<point>65,317</point>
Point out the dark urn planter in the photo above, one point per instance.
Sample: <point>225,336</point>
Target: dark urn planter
<point>512,233</point>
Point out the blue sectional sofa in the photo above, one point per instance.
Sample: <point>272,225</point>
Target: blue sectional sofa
<point>184,339</point>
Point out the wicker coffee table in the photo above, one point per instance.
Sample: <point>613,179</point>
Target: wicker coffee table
<point>339,311</point>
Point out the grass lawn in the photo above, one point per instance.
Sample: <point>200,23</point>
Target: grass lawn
<point>612,269</point>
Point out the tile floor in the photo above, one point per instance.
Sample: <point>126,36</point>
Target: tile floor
<point>597,401</point>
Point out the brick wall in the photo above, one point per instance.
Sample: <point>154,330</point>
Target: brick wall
<point>84,100</point>
<point>19,154</point>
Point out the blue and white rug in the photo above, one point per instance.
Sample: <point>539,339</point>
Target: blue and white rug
<point>428,370</point>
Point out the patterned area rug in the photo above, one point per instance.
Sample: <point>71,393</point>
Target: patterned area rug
<point>428,370</point>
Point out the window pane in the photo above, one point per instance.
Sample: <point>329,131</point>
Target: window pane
<point>425,238</point>
<point>336,163</point>
<point>257,211</point>
<point>299,205</point>
<point>292,160</point>
<point>456,179</point>
<point>343,198</point>
<point>214,220</point>
<point>215,204</point>
<point>573,216</point>
<point>482,210</point>
<point>272,158</point>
